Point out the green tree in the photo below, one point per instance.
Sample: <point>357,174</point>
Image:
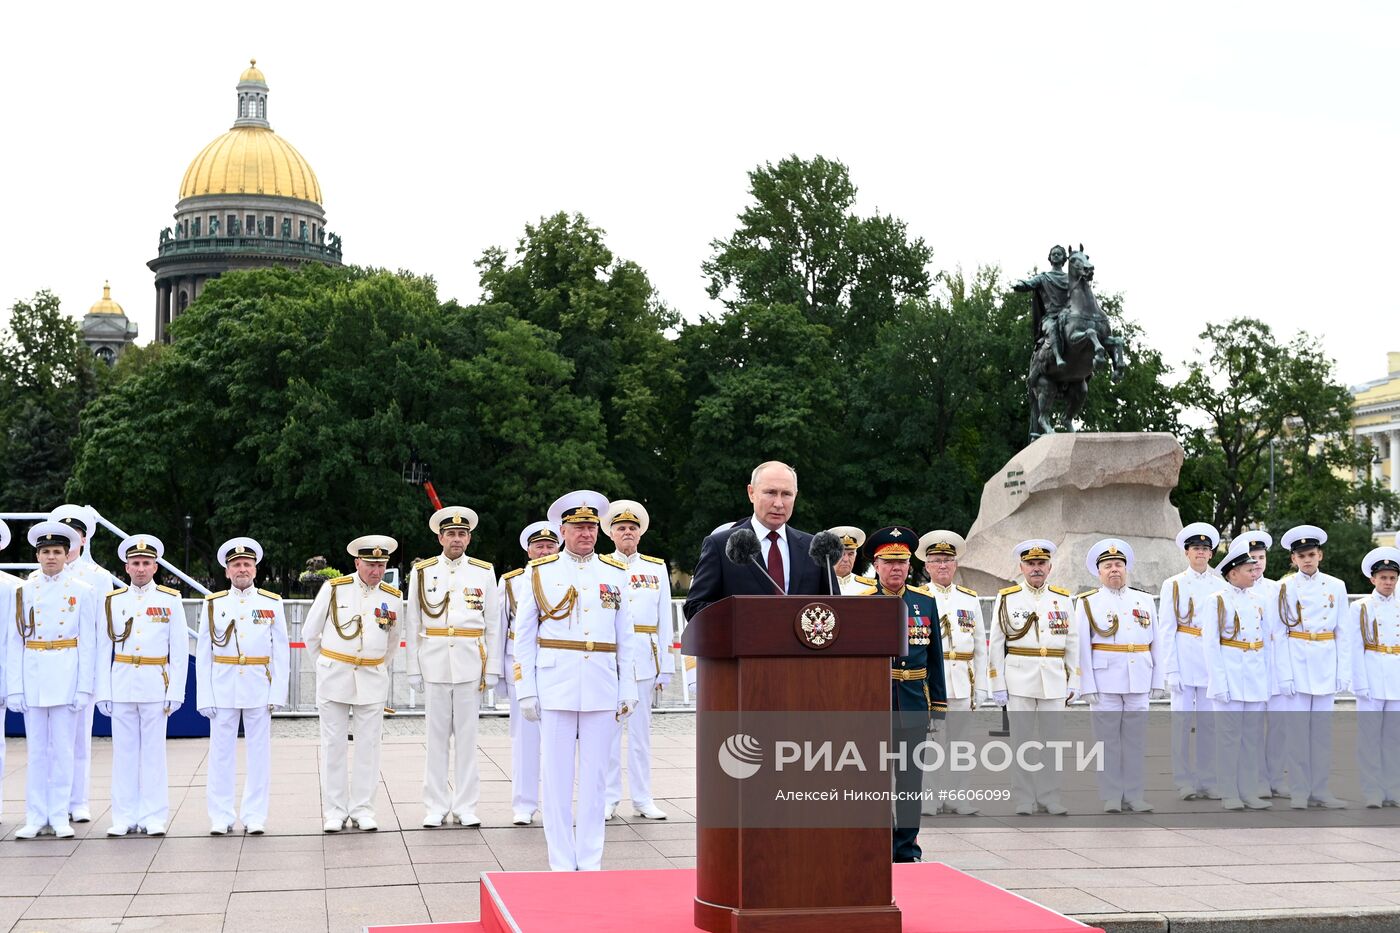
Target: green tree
<point>1266,408</point>
<point>762,387</point>
<point>800,243</point>
<point>47,376</point>
<point>289,401</point>
<point>562,279</point>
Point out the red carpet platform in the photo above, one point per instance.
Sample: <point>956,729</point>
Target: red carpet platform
<point>933,898</point>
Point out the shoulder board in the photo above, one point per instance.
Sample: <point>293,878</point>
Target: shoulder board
<point>481,563</point>
<point>866,580</point>
<point>217,595</point>
<point>968,590</point>
<point>123,590</point>
<point>167,589</point>
<point>269,594</point>
<point>1289,575</point>
<point>425,562</point>
<point>1009,590</point>
<point>514,573</point>
<point>391,590</point>
<point>1087,593</point>
<point>869,592</point>
<point>920,590</point>
<point>543,560</point>
<point>612,561</point>
<point>652,560</point>
<point>1061,590</point>
<point>341,581</point>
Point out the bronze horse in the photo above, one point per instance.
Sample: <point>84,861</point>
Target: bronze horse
<point>1089,347</point>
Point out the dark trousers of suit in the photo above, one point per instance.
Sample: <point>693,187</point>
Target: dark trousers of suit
<point>908,782</point>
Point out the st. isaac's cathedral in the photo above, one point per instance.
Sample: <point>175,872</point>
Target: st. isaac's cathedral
<point>248,199</point>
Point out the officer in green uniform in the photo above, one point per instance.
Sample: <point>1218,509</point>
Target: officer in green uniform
<point>917,691</point>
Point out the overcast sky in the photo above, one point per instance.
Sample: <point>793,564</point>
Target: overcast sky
<point>1215,159</point>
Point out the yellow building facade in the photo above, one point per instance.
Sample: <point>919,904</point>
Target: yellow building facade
<point>1376,421</point>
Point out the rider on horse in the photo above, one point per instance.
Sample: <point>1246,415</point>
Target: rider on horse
<point>1049,296</point>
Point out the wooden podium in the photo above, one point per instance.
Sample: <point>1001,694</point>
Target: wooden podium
<point>764,654</point>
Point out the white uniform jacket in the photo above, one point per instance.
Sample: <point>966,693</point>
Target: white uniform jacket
<point>964,640</point>
<point>1185,598</point>
<point>568,606</point>
<point>1235,645</point>
<point>1266,591</point>
<point>454,621</point>
<point>353,631</point>
<point>649,600</point>
<point>1120,642</point>
<point>1375,662</point>
<point>1315,650</point>
<point>249,625</point>
<point>56,611</point>
<point>854,585</point>
<point>508,598</point>
<point>145,646</point>
<point>1034,649</point>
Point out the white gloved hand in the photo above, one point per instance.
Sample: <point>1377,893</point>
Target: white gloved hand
<point>1222,697</point>
<point>1173,683</point>
<point>207,712</point>
<point>1343,686</point>
<point>624,709</point>
<point>999,698</point>
<point>415,682</point>
<point>1091,698</point>
<point>172,707</point>
<point>663,680</point>
<point>276,707</point>
<point>104,707</point>
<point>1158,694</point>
<point>1361,693</point>
<point>80,702</point>
<point>530,708</point>
<point>1287,689</point>
<point>492,680</point>
<point>15,703</point>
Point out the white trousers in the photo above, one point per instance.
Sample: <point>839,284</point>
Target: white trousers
<point>48,783</point>
<point>524,754</point>
<point>1120,723</point>
<point>562,732</point>
<point>223,747</point>
<point>1035,720</point>
<point>954,728</point>
<point>1378,748</point>
<point>1237,747</point>
<point>1192,711</point>
<point>82,758</point>
<point>140,785</point>
<point>1275,744</point>
<point>452,715</point>
<point>1309,743</point>
<point>638,729</point>
<point>355,799</point>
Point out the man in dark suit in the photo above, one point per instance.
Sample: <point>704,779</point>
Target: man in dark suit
<point>783,550</point>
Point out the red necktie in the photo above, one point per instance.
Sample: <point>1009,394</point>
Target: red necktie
<point>775,561</point>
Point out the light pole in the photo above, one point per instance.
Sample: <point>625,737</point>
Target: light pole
<point>1272,442</point>
<point>189,527</point>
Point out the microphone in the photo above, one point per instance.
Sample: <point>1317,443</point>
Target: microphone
<point>826,550</point>
<point>743,547</point>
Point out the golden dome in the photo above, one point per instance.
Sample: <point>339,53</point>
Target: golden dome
<point>251,73</point>
<point>106,305</point>
<point>251,160</point>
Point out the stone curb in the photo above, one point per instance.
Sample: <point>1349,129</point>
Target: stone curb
<point>1307,920</point>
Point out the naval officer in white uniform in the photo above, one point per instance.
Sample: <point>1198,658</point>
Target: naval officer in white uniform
<point>140,682</point>
<point>454,618</point>
<point>573,637</point>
